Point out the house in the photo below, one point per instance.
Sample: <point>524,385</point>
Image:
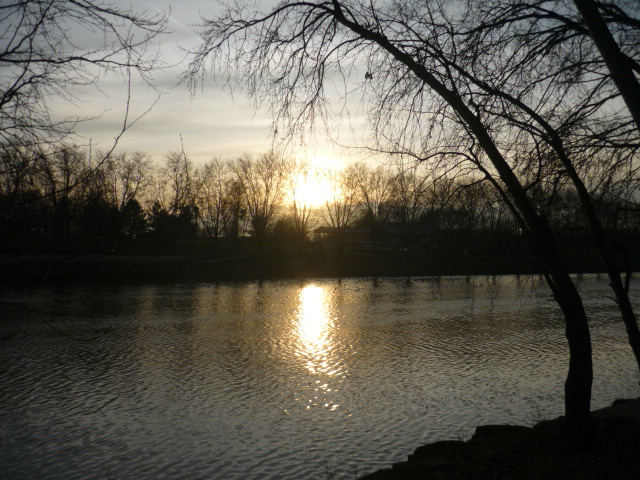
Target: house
<point>389,236</point>
<point>347,237</point>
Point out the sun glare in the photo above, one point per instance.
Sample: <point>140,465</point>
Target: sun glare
<point>320,163</point>
<point>313,189</point>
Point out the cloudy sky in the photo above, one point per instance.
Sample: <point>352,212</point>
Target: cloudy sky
<point>213,122</point>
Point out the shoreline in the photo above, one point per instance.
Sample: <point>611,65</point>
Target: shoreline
<point>61,268</point>
<point>539,452</point>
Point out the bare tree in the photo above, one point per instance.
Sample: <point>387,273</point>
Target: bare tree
<point>618,64</point>
<point>174,212</point>
<point>561,103</point>
<point>340,207</point>
<point>124,177</point>
<point>178,184</point>
<point>56,172</point>
<point>57,193</point>
<point>410,197</point>
<point>302,210</point>
<point>420,104</point>
<point>262,181</point>
<point>216,198</point>
<point>52,47</point>
<point>375,187</point>
<point>16,176</point>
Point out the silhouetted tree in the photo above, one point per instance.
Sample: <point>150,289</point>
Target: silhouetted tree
<point>166,225</point>
<point>262,181</point>
<point>216,197</point>
<point>50,48</point>
<point>620,65</point>
<point>99,218</point>
<point>284,232</point>
<point>133,219</point>
<point>410,196</point>
<point>124,177</point>
<point>407,49</point>
<point>561,103</point>
<point>340,208</point>
<point>302,218</point>
<point>375,187</point>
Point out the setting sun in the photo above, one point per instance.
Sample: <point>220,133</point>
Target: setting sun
<point>311,188</point>
<point>312,191</point>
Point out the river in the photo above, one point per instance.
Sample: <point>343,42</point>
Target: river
<point>283,379</point>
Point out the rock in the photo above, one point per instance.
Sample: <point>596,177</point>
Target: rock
<point>629,408</point>
<point>508,452</point>
<point>439,453</point>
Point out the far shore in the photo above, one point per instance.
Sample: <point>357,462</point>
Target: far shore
<point>38,268</point>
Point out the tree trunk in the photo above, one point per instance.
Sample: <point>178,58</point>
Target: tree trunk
<point>621,293</point>
<point>621,73</point>
<point>580,375</point>
<point>626,82</point>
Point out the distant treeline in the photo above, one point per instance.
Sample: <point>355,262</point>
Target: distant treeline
<point>61,195</point>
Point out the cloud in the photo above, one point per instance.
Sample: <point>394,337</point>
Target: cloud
<point>211,123</point>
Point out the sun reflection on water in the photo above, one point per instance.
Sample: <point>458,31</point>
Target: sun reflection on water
<point>313,319</point>
<point>315,337</point>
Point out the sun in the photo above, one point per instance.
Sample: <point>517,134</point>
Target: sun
<point>312,188</point>
<point>312,191</point>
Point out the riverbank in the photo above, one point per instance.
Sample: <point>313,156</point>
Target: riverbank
<point>530,453</point>
<point>142,268</point>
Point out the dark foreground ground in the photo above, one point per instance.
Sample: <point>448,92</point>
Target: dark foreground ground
<point>542,452</point>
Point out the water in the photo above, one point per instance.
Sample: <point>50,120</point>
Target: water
<point>281,379</point>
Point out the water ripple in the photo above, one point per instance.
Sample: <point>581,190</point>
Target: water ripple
<point>281,380</point>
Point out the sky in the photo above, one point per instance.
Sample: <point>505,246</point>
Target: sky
<point>213,122</point>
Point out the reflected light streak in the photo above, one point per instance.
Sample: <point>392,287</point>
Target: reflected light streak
<point>316,347</point>
<point>313,328</point>
<point>313,317</point>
